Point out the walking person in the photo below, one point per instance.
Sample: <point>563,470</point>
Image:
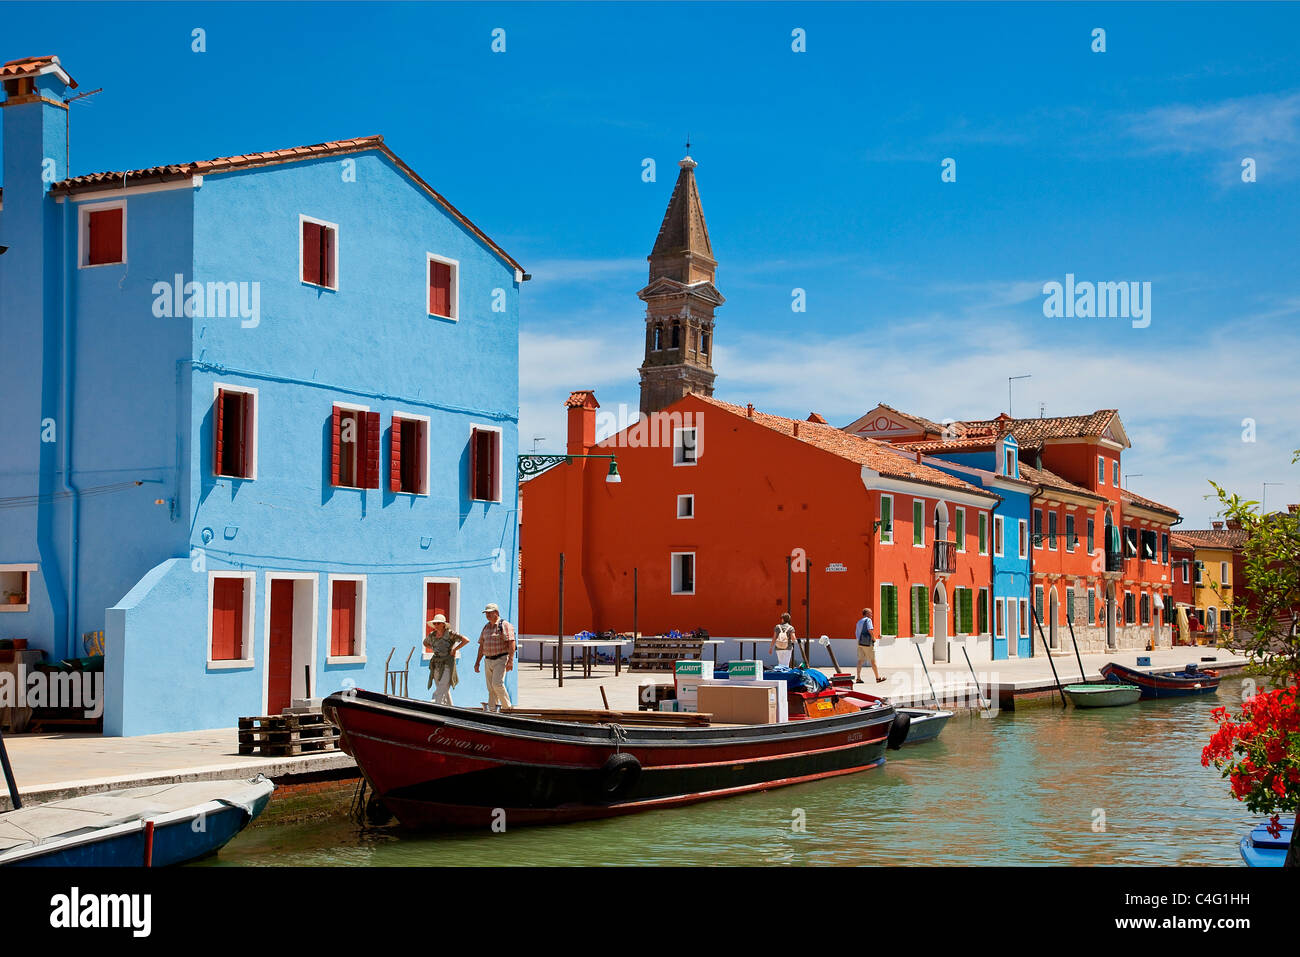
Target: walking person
<point>865,632</point>
<point>783,641</point>
<point>496,646</point>
<point>443,645</point>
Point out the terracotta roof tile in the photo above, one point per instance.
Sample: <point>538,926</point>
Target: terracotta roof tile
<point>1133,498</point>
<point>580,397</point>
<point>222,164</point>
<point>1032,432</point>
<point>876,455</point>
<point>1210,537</point>
<point>1049,479</point>
<point>32,66</point>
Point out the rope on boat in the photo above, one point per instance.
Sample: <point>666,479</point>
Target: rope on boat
<point>358,809</point>
<point>619,735</point>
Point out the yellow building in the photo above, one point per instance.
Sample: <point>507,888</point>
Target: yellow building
<point>1217,562</point>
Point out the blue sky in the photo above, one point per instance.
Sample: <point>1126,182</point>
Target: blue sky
<point>818,170</point>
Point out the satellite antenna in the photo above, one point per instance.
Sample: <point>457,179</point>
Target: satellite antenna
<point>67,139</point>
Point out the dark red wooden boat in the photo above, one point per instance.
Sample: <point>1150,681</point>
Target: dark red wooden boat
<point>438,767</point>
<point>1192,680</point>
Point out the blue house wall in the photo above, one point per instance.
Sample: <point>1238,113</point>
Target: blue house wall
<point>141,411</point>
<point>1011,573</point>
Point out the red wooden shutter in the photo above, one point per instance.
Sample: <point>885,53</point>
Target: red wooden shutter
<point>335,429</point>
<point>395,456</point>
<point>311,253</point>
<point>494,465</point>
<point>343,610</point>
<point>371,450</point>
<point>421,458</point>
<point>439,288</point>
<point>327,257</point>
<point>227,619</point>
<point>239,434</point>
<point>218,430</point>
<point>437,601</point>
<point>473,463</point>
<point>105,236</point>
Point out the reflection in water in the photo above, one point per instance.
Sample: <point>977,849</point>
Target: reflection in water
<point>1039,786</point>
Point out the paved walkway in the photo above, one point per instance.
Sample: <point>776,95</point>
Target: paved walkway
<point>51,766</point>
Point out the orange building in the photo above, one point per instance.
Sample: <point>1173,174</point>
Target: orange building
<point>1101,562</point>
<point>718,500</point>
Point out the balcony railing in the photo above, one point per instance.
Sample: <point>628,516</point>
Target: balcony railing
<point>1114,561</point>
<point>945,558</point>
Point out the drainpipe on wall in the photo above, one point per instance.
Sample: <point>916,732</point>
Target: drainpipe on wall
<point>993,584</point>
<point>69,487</point>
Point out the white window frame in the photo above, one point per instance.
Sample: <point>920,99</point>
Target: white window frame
<point>1042,535</point>
<point>679,447</point>
<point>988,603</point>
<point>893,520</point>
<point>266,626</point>
<point>359,646</point>
<point>921,524</point>
<point>1022,539</point>
<point>681,499</point>
<point>1101,470</point>
<point>455,285</point>
<point>428,448</point>
<point>250,606</point>
<point>217,389</point>
<point>672,577</point>
<point>999,528</point>
<point>982,519</point>
<point>1000,620</point>
<point>1048,533</point>
<point>26,570</point>
<point>1114,473</point>
<point>338,279</point>
<point>1223,575</point>
<point>501,443</point>
<point>1187,573</point>
<point>1025,628</point>
<point>83,232</point>
<point>453,624</point>
<point>961,539</point>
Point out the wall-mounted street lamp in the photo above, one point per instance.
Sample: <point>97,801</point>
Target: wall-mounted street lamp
<point>3,250</point>
<point>534,465</point>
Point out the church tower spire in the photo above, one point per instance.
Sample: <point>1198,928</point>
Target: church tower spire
<point>680,299</point>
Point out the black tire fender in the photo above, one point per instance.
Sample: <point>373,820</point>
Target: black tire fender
<point>898,730</point>
<point>618,776</point>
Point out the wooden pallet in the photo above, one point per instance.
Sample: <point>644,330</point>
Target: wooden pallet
<point>287,735</point>
<point>657,653</point>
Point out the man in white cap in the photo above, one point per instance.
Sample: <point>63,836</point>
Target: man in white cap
<point>443,645</point>
<point>496,645</point>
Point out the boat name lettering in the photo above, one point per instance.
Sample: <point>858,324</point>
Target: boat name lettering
<point>438,737</point>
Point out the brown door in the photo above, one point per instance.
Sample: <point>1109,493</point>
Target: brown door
<point>279,689</point>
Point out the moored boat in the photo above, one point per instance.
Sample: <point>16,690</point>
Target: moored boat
<point>923,724</point>
<point>444,767</point>
<point>1191,680</point>
<point>159,825</point>
<point>1261,849</point>
<point>1102,695</point>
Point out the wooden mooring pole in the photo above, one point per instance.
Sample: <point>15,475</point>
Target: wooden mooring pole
<point>559,649</point>
<point>1048,649</point>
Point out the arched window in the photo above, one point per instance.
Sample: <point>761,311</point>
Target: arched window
<point>677,335</point>
<point>704,343</point>
<point>659,338</point>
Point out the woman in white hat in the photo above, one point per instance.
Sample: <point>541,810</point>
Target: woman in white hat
<point>443,644</point>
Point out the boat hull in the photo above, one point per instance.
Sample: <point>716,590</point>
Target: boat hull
<point>1163,684</point>
<point>440,767</point>
<point>1109,695</point>
<point>1261,849</point>
<point>925,724</point>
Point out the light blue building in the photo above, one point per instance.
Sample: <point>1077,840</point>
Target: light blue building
<point>259,423</point>
<point>993,463</point>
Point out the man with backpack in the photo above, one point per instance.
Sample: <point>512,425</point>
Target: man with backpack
<point>865,632</point>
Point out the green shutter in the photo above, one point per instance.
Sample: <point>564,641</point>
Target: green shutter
<point>983,611</point>
<point>961,530</point>
<point>918,523</point>
<point>886,520</point>
<point>925,609</point>
<point>1038,603</point>
<point>984,533</point>
<point>888,610</point>
<point>1069,605</point>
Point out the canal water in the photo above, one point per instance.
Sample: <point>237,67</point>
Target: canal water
<point>1043,785</point>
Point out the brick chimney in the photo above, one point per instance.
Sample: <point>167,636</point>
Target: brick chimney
<point>1234,524</point>
<point>582,406</point>
<point>1218,526</point>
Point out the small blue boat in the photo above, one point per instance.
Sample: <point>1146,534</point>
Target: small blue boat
<point>148,826</point>
<point>1261,849</point>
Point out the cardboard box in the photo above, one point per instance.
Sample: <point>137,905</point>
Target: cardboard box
<point>745,671</point>
<point>687,676</point>
<point>782,689</point>
<point>738,703</point>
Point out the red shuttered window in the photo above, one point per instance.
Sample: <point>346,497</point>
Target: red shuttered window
<point>408,452</point>
<point>437,601</point>
<point>228,619</point>
<point>442,291</point>
<point>484,464</point>
<point>233,433</point>
<point>318,254</point>
<point>354,448</point>
<point>104,237</point>
<point>343,619</point>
